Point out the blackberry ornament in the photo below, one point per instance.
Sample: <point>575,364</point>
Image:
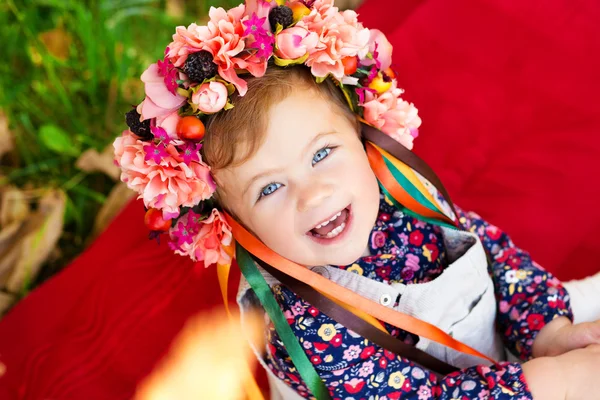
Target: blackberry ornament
<point>141,129</point>
<point>200,66</point>
<point>282,15</point>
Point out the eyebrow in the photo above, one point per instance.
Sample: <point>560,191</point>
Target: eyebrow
<point>273,170</point>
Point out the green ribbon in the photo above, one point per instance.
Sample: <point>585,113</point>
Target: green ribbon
<point>409,187</point>
<point>290,341</point>
<point>412,213</point>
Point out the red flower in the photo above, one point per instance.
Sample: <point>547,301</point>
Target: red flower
<point>383,362</point>
<point>415,238</point>
<point>336,341</point>
<point>313,311</point>
<point>517,298</point>
<point>493,232</point>
<point>535,321</point>
<point>384,217</point>
<point>272,349</point>
<point>293,377</point>
<point>354,386</point>
<point>407,386</point>
<point>389,354</point>
<point>384,271</point>
<point>433,250</point>
<point>436,391</point>
<point>316,360</point>
<point>394,395</point>
<point>321,347</point>
<point>367,352</point>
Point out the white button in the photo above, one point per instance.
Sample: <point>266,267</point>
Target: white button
<point>385,299</point>
<point>321,271</point>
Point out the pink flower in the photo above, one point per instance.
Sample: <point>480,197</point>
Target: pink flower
<point>378,239</point>
<point>211,243</point>
<point>392,115</point>
<point>169,123</point>
<point>261,8</point>
<point>412,261</point>
<point>298,309</point>
<point>379,45</point>
<point>210,97</point>
<point>167,185</point>
<point>424,392</point>
<point>340,35</point>
<point>223,38</point>
<point>295,42</point>
<point>351,353</point>
<point>159,101</point>
<point>366,369</point>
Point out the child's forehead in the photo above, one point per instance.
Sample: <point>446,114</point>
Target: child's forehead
<point>299,117</point>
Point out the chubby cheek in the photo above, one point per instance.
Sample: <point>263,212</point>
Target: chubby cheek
<point>274,226</point>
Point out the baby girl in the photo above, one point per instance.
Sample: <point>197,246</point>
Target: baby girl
<point>285,154</point>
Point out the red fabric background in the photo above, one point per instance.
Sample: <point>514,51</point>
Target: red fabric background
<point>508,92</point>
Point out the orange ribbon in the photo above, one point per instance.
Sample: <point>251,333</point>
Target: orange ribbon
<point>344,295</point>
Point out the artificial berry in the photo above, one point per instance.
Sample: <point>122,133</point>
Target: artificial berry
<point>299,10</point>
<point>155,222</point>
<point>379,84</point>
<point>350,65</point>
<point>190,128</point>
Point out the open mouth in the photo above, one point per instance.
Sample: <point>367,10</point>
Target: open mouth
<point>332,227</point>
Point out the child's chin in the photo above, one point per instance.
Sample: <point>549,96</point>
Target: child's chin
<point>345,257</point>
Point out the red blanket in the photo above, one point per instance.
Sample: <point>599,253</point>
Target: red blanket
<point>508,92</point>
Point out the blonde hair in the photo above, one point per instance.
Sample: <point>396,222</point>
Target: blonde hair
<point>233,136</point>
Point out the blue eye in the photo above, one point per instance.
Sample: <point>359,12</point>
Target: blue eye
<point>269,189</point>
<point>321,155</point>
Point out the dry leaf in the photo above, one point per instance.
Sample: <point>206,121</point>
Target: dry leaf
<point>8,259</point>
<point>34,241</point>
<point>208,360</point>
<point>92,161</point>
<point>57,41</point>
<point>6,138</point>
<point>13,206</point>
<point>118,197</point>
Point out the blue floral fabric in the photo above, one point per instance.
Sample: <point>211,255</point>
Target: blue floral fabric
<point>407,250</point>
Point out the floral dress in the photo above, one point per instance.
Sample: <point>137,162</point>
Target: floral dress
<point>407,250</point>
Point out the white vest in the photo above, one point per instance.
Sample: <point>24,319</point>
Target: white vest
<point>460,301</point>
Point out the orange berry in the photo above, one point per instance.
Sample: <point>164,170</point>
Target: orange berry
<point>155,222</point>
<point>190,128</point>
<point>299,10</point>
<point>350,65</point>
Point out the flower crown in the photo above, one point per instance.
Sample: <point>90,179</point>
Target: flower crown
<point>159,154</point>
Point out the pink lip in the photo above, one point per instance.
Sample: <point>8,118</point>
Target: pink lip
<point>341,236</point>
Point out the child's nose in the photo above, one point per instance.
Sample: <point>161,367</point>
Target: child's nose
<point>313,196</point>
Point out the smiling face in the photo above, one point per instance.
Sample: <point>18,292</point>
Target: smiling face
<point>308,191</point>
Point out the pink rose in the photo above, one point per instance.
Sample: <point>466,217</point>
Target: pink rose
<point>340,35</point>
<point>167,185</point>
<point>295,42</point>
<point>212,240</point>
<point>159,101</point>
<point>169,124</point>
<point>222,37</point>
<point>392,115</point>
<point>210,97</point>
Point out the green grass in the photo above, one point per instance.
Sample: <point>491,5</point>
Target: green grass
<point>60,106</point>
